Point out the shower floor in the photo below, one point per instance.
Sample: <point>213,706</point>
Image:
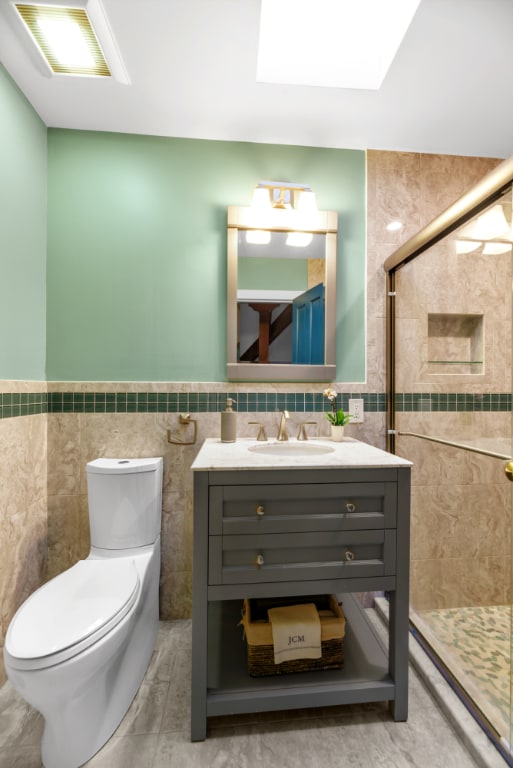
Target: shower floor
<point>474,643</point>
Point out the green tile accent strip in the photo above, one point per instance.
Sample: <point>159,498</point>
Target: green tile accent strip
<point>203,402</point>
<point>457,402</point>
<point>22,404</point>
<point>251,402</point>
<point>16,404</point>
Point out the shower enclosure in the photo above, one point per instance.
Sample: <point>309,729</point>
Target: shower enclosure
<point>449,351</point>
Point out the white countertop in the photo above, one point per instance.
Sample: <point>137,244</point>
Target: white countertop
<point>215,455</point>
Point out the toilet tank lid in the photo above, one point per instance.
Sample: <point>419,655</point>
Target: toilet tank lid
<point>123,466</point>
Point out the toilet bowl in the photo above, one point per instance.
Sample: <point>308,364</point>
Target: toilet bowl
<point>78,648</point>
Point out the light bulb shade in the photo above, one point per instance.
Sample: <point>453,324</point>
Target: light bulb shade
<point>258,237</point>
<point>490,224</point>
<point>307,203</point>
<point>467,246</point>
<point>299,239</point>
<point>261,199</point>
<point>494,249</point>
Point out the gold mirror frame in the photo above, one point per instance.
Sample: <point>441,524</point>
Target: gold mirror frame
<point>281,220</point>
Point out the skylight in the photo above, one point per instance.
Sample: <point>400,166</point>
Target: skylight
<point>331,43</point>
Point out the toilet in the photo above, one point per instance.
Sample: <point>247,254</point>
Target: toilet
<point>78,648</point>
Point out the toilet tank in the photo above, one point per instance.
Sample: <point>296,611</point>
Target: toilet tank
<point>125,502</point>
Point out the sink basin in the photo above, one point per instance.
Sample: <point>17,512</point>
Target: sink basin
<point>291,449</point>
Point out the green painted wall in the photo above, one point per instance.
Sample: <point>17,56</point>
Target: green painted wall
<point>136,281</point>
<point>272,274</point>
<point>23,183</point>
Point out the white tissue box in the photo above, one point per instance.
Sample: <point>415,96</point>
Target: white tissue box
<point>259,637</point>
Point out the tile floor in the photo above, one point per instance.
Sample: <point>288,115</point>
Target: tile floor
<point>475,643</point>
<point>155,731</point>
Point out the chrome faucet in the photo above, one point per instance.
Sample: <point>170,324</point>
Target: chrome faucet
<point>282,431</point>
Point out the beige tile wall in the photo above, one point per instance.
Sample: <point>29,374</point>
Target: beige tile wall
<point>461,513</point>
<point>23,507</point>
<point>461,502</point>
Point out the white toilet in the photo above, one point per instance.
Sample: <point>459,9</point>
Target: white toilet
<point>78,648</point>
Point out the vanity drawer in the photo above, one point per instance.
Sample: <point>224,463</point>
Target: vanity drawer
<point>255,509</point>
<point>301,556</point>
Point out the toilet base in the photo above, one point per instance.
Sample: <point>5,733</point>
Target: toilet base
<point>84,726</point>
<point>84,699</point>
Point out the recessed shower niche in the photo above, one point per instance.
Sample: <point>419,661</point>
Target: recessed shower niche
<point>455,344</point>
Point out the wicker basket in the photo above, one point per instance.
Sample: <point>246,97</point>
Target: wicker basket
<point>258,632</point>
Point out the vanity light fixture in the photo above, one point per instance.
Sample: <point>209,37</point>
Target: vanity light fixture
<point>269,195</point>
<point>73,40</point>
<point>283,194</point>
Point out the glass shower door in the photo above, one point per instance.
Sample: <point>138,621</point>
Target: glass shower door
<point>453,392</point>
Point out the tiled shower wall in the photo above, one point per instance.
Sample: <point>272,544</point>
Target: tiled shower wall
<point>461,508</point>
<point>456,307</point>
<point>43,455</point>
<point>461,511</point>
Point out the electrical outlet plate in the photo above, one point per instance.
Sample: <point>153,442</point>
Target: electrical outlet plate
<point>356,410</point>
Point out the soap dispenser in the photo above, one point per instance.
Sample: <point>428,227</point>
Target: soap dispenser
<point>228,423</point>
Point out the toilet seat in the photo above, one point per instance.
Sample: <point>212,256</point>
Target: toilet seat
<point>71,612</point>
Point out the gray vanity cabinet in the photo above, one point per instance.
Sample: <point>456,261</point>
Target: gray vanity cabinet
<point>287,532</point>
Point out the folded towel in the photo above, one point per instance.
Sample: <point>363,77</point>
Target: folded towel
<point>296,632</point>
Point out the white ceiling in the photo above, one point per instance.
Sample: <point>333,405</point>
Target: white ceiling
<point>192,67</point>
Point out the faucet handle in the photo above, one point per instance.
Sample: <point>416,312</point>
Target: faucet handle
<point>301,435</point>
<point>262,434</point>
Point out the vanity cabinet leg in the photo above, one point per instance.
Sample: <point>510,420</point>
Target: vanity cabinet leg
<point>198,727</point>
<point>199,671</point>
<point>199,611</point>
<point>399,635</point>
<point>399,654</point>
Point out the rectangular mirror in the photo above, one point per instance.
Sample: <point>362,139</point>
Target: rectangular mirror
<point>281,296</point>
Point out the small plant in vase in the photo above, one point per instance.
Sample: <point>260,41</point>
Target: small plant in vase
<point>337,417</point>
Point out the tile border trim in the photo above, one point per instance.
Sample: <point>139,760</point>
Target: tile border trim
<point>27,404</point>
<point>198,402</point>
<point>22,404</point>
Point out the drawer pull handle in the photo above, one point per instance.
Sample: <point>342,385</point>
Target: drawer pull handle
<point>260,560</point>
<point>349,555</point>
<point>350,506</point>
<point>260,510</point>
